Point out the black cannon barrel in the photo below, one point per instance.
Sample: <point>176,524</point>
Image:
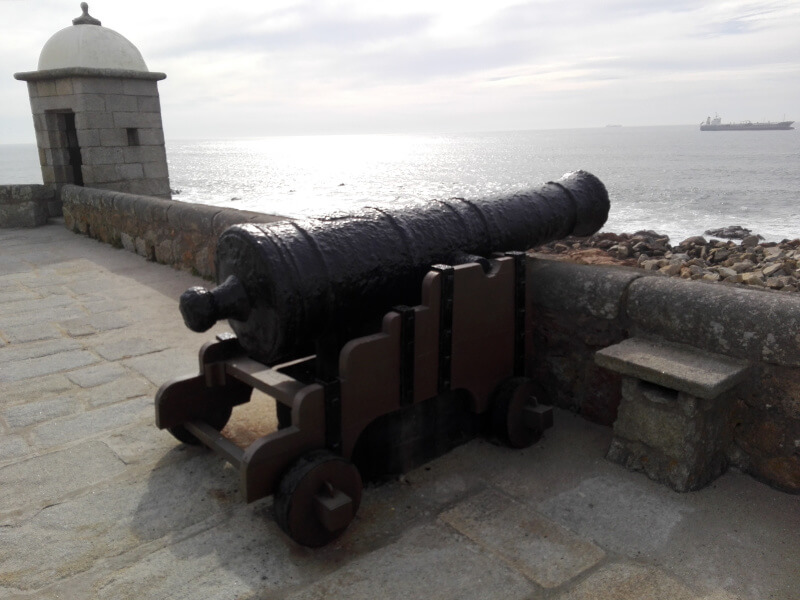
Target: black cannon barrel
<point>285,284</point>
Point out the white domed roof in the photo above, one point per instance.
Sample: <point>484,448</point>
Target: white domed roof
<point>87,44</point>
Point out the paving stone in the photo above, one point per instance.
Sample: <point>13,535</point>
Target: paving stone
<point>170,523</point>
<point>130,386</point>
<point>41,258</point>
<point>624,581</point>
<point>107,321</point>
<point>130,293</point>
<point>23,415</point>
<point>542,550</point>
<point>45,278</point>
<point>160,367</point>
<point>619,515</point>
<point>26,306</point>
<point>726,543</point>
<point>427,562</point>
<point>38,349</point>
<point>45,365</point>
<point>47,315</point>
<point>92,298</point>
<point>31,333</point>
<point>93,422</point>
<point>12,446</point>
<point>53,290</point>
<point>41,387</point>
<point>97,375</point>
<point>100,322</point>
<point>32,484</point>
<point>142,443</point>
<point>10,266</point>
<point>100,306</point>
<point>69,537</point>
<point>7,263</point>
<point>390,508</point>
<point>245,556</point>
<point>100,284</point>
<point>129,347</point>
<point>80,268</point>
<point>15,294</point>
<point>77,327</point>
<point>720,595</point>
<point>252,420</point>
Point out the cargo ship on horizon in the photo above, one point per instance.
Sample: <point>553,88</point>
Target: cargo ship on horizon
<point>716,124</point>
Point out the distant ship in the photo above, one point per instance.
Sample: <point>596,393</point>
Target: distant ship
<point>716,124</point>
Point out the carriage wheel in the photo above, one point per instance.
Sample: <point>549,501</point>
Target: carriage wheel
<point>318,498</point>
<point>214,407</point>
<point>513,413</point>
<point>217,417</point>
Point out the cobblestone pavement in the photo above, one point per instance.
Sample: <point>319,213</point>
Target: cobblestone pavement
<point>95,502</point>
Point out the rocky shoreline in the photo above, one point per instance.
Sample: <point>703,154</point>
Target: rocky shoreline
<point>748,261</point>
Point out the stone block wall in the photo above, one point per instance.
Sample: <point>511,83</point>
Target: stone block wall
<point>27,205</point>
<point>574,310</point>
<point>578,309</point>
<point>166,231</point>
<point>118,126</point>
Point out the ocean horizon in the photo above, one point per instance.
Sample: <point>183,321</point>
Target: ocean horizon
<point>675,180</point>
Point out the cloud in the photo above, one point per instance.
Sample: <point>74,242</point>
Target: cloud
<point>749,18</point>
<point>301,66</point>
<point>301,27</point>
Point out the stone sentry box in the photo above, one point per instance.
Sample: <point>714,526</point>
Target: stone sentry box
<point>96,112</point>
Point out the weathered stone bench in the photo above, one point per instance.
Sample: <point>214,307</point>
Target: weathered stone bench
<point>673,418</point>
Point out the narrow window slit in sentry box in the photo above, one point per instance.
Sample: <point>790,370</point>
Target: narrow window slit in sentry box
<point>133,136</point>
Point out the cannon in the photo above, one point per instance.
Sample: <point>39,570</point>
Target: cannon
<point>348,320</point>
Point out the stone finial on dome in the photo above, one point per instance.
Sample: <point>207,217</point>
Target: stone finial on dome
<point>85,18</point>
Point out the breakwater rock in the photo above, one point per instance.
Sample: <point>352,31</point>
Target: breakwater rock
<point>732,232</point>
<point>751,262</point>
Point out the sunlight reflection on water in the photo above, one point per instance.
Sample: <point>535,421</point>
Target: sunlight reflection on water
<point>676,180</point>
<point>671,179</point>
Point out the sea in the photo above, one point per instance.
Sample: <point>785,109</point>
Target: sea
<point>675,180</point>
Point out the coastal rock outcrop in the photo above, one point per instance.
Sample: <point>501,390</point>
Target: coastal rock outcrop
<point>752,262</point>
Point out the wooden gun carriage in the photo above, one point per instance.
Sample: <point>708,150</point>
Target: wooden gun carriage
<point>465,331</point>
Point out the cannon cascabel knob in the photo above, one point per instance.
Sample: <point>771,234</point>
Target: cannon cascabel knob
<point>202,308</point>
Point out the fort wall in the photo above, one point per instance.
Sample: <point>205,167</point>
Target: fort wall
<point>575,311</point>
<point>26,205</point>
<point>166,231</point>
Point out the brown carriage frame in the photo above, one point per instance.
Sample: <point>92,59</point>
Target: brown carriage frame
<point>469,333</point>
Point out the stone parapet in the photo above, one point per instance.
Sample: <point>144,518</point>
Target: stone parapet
<point>564,286</point>
<point>166,231</point>
<point>741,322</point>
<point>578,310</point>
<point>27,205</point>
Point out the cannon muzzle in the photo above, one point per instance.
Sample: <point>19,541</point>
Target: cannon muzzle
<point>288,284</point>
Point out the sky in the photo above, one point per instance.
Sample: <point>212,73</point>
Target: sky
<point>292,67</point>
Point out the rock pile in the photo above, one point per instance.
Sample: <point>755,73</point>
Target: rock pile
<point>773,265</point>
